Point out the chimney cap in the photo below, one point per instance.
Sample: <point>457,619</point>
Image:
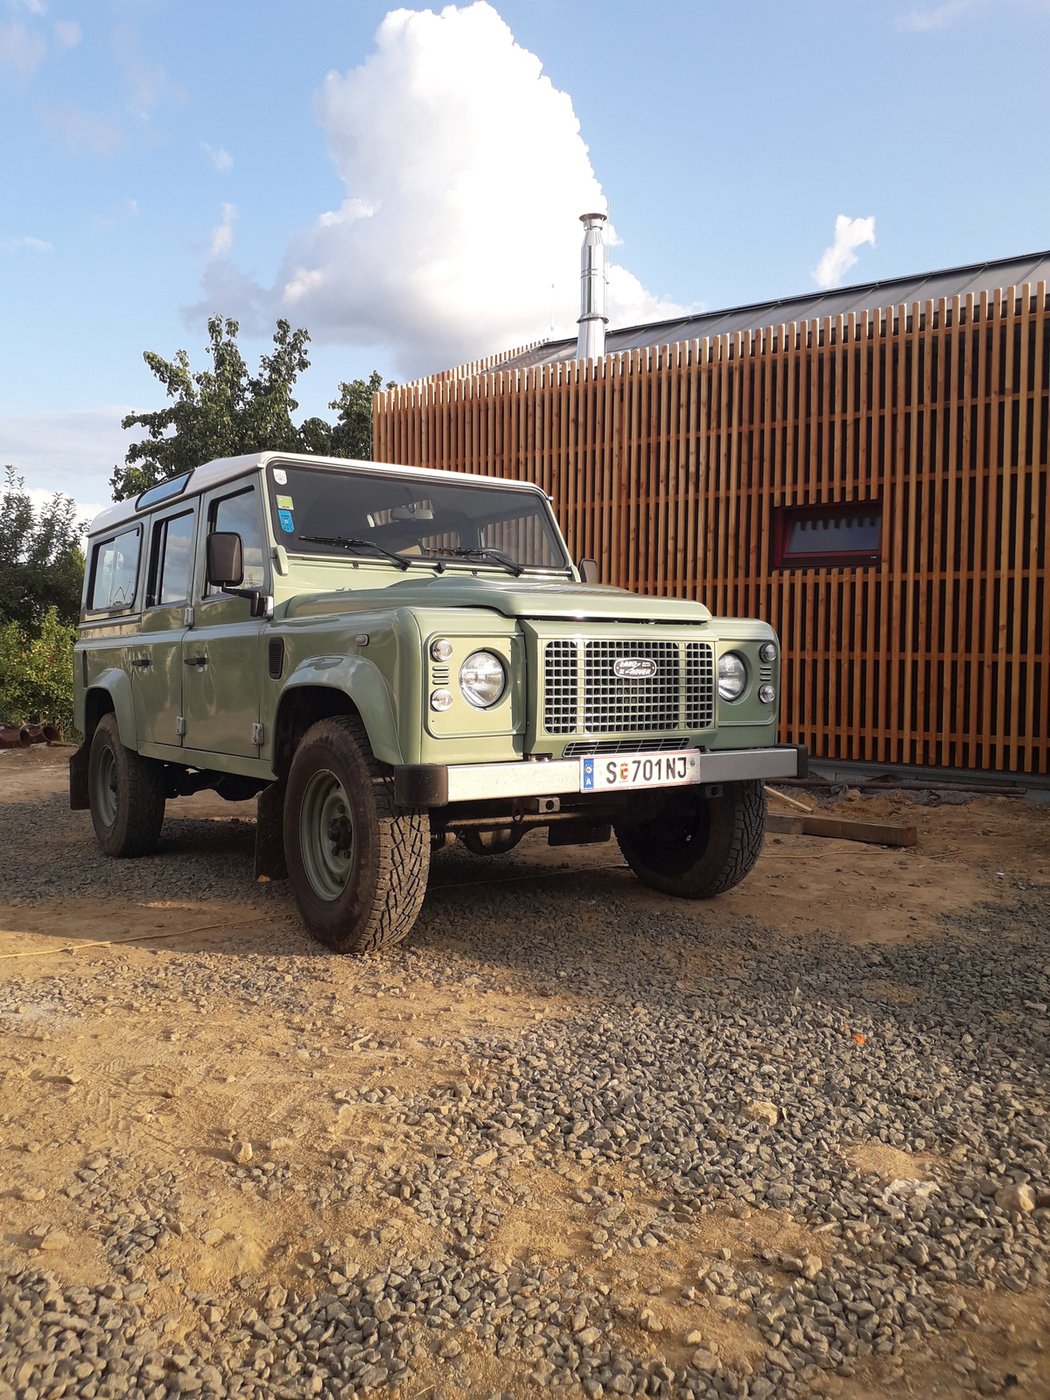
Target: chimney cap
<point>584,217</point>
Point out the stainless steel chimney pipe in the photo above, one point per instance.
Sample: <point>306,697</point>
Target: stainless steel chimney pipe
<point>593,320</point>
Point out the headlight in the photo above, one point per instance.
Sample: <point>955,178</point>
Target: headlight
<point>732,675</point>
<point>482,679</point>
<point>768,652</point>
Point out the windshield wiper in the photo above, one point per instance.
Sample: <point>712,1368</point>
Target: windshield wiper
<point>496,555</point>
<point>347,543</point>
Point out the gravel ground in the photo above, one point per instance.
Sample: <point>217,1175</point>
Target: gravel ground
<point>572,1137</point>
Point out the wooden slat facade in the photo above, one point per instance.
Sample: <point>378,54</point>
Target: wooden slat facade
<point>667,463</point>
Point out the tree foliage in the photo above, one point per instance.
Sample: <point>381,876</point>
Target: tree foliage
<point>225,411</point>
<point>220,412</point>
<point>351,433</point>
<point>41,557</point>
<point>36,672</point>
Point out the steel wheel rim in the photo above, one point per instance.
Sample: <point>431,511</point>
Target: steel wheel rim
<point>106,787</point>
<point>326,835</point>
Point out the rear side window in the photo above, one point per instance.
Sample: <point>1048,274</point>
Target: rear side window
<point>114,571</point>
<point>172,557</point>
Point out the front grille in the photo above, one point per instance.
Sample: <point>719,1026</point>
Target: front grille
<point>583,694</point>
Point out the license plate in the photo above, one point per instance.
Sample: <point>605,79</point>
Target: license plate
<point>639,770</point>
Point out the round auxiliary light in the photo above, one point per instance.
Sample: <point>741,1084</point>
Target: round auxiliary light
<point>766,694</point>
<point>768,651</point>
<point>482,679</point>
<point>732,675</point>
<point>440,700</point>
<point>441,649</point>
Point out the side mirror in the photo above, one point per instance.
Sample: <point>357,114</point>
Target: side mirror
<point>589,570</point>
<point>225,558</point>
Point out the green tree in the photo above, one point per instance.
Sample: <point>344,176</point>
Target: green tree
<point>36,672</point>
<point>352,433</point>
<point>221,412</point>
<point>41,557</point>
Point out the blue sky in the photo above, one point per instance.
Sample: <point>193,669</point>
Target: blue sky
<point>406,184</point>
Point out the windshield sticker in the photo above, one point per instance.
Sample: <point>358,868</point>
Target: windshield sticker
<point>280,476</point>
<point>287,525</point>
<point>284,503</point>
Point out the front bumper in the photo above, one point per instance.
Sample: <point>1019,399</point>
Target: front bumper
<point>436,785</point>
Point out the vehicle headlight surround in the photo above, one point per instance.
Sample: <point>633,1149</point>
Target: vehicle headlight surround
<point>732,675</point>
<point>482,679</point>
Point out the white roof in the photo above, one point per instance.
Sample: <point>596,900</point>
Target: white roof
<point>225,469</point>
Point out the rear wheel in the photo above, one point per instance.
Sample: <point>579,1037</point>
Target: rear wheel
<point>698,846</point>
<point>357,864</point>
<point>125,794</point>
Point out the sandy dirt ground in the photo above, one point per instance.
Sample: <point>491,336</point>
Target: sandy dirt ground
<point>144,1059</point>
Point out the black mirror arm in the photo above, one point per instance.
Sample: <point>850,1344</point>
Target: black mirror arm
<point>255,596</point>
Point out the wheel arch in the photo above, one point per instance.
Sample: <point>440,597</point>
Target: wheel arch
<point>109,695</point>
<point>314,692</point>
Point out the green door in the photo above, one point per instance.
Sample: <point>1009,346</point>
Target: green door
<point>156,654</point>
<point>222,652</point>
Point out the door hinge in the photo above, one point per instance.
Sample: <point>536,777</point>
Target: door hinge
<point>180,725</point>
<point>258,732</point>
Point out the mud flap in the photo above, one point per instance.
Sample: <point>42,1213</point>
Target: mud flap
<point>269,833</point>
<point>79,800</point>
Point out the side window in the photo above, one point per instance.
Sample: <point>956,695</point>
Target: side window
<point>114,569</point>
<point>239,513</point>
<point>172,557</point>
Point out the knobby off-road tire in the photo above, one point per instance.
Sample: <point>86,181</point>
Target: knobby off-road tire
<point>701,846</point>
<point>357,864</point>
<point>125,794</point>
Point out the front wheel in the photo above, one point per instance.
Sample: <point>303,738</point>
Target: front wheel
<point>125,794</point>
<point>357,864</point>
<point>697,846</point>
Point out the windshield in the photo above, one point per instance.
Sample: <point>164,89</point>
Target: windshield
<point>321,511</point>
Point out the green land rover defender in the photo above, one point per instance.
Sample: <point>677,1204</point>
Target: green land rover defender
<point>391,657</point>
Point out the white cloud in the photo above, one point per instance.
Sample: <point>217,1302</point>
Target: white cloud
<point>921,19</point>
<point>74,453</point>
<point>929,18</point>
<point>222,234</point>
<point>20,49</point>
<point>25,244</point>
<point>83,131</point>
<point>837,259</point>
<point>67,33</point>
<point>220,158</point>
<point>465,174</point>
<point>146,82</point>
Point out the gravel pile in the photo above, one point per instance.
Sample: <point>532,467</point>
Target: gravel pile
<point>734,1092</point>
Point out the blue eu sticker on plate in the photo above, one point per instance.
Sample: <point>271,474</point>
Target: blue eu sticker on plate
<point>287,525</point>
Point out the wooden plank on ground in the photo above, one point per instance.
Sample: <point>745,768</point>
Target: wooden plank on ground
<point>844,829</point>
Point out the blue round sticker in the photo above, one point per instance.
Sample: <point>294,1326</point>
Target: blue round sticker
<point>287,525</point>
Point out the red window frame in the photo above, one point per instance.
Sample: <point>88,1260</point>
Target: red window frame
<point>785,518</point>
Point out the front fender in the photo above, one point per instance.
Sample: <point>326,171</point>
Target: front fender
<point>366,686</point>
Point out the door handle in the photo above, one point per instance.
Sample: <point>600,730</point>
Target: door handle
<point>141,661</point>
<point>195,661</point>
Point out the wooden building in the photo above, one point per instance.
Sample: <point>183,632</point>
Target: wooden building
<point>867,468</point>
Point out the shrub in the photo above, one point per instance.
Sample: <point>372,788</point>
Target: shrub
<point>36,673</point>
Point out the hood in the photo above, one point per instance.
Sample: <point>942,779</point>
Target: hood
<point>512,597</point>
